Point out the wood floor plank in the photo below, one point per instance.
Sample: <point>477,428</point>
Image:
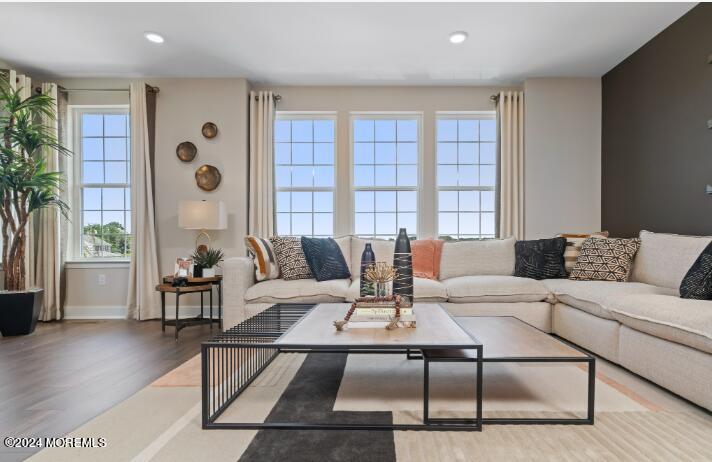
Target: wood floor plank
<point>68,372</point>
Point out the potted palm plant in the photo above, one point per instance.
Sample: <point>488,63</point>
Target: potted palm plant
<point>25,187</point>
<point>207,260</point>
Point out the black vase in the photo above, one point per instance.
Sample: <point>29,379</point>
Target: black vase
<point>403,264</point>
<point>367,258</point>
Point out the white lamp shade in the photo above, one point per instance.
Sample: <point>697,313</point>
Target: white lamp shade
<point>202,215</point>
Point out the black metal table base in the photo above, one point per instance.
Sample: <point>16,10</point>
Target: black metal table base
<point>232,360</point>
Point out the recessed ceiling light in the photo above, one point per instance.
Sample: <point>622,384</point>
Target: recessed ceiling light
<point>458,37</point>
<point>153,37</point>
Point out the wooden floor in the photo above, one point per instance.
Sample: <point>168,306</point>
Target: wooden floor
<point>68,372</point>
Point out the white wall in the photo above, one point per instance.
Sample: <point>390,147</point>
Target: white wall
<point>429,100</point>
<point>562,159</point>
<point>183,105</point>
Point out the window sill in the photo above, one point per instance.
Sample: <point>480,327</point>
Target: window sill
<point>97,264</point>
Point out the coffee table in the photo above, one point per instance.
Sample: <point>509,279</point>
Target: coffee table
<point>507,339</point>
<point>233,359</point>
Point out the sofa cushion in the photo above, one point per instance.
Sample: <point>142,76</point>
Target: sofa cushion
<point>679,320</point>
<point>424,290</point>
<point>344,243</point>
<point>664,259</point>
<point>594,296</point>
<point>382,248</point>
<point>298,291</point>
<point>573,246</point>
<point>697,283</point>
<point>605,259</point>
<point>426,257</point>
<point>290,257</point>
<point>476,258</point>
<point>540,258</point>
<point>480,289</point>
<point>325,259</point>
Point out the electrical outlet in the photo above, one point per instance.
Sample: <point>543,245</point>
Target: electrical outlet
<point>102,279</point>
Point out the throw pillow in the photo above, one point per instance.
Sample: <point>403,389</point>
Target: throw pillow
<point>605,259</point>
<point>325,259</point>
<point>697,283</point>
<point>263,257</point>
<point>540,259</point>
<point>573,246</point>
<point>290,258</point>
<point>426,257</point>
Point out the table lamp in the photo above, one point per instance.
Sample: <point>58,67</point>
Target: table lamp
<point>202,215</point>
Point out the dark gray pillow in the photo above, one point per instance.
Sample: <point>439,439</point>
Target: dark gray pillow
<point>540,259</point>
<point>697,283</point>
<point>325,258</point>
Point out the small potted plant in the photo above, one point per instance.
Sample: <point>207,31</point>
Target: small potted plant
<point>208,260</point>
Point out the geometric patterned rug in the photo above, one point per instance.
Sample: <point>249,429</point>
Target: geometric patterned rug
<point>162,421</point>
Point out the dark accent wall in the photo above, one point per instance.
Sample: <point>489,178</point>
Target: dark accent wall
<point>656,147</point>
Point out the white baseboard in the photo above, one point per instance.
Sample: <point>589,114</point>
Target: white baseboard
<point>120,312</point>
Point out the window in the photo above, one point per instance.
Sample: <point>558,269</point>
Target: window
<point>103,192</point>
<point>304,174</point>
<point>385,153</point>
<point>466,175</point>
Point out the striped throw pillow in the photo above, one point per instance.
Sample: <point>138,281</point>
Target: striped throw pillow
<point>263,256</point>
<point>573,247</point>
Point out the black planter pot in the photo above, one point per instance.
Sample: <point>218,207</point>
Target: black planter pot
<point>19,311</point>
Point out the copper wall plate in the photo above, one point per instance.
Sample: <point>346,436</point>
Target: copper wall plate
<point>210,130</point>
<point>186,151</point>
<point>208,177</point>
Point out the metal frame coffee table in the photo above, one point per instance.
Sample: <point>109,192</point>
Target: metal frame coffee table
<point>232,360</point>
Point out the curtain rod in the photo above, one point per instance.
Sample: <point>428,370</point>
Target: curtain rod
<point>276,97</point>
<point>68,90</point>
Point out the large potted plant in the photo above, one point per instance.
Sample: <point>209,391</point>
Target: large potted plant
<point>25,187</point>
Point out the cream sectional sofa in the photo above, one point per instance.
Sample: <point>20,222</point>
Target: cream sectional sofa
<point>642,324</point>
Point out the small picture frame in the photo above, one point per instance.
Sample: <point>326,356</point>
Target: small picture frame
<point>184,267</point>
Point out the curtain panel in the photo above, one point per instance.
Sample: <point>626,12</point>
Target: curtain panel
<point>143,301</point>
<point>510,120</point>
<point>261,202</point>
<point>49,259</point>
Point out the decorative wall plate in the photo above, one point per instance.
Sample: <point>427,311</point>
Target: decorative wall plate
<point>210,130</point>
<point>208,177</point>
<point>186,151</point>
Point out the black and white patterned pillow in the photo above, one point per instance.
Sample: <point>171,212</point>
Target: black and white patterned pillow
<point>325,258</point>
<point>540,259</point>
<point>605,259</point>
<point>697,283</point>
<point>290,258</point>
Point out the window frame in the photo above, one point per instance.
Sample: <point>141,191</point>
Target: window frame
<point>465,115</point>
<point>75,129</point>
<point>307,115</point>
<point>418,116</point>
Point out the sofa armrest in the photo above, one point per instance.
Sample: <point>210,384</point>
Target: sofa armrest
<point>238,276</point>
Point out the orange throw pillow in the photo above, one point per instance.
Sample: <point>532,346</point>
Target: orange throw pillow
<point>426,257</point>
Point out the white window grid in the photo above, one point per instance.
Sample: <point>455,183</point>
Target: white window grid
<point>99,248</point>
<point>315,191</point>
<point>485,208</point>
<point>412,212</point>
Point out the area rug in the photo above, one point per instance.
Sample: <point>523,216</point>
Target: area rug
<point>162,422</point>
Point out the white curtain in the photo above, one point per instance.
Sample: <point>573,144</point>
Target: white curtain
<point>143,301</point>
<point>48,264</point>
<point>261,204</point>
<point>510,119</point>
<point>24,83</point>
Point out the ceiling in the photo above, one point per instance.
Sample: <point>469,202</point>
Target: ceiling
<point>330,44</point>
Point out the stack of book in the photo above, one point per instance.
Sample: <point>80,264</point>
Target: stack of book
<point>381,312</point>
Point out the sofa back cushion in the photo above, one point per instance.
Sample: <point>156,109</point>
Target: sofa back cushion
<point>477,258</point>
<point>344,243</point>
<point>664,259</point>
<point>383,249</point>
